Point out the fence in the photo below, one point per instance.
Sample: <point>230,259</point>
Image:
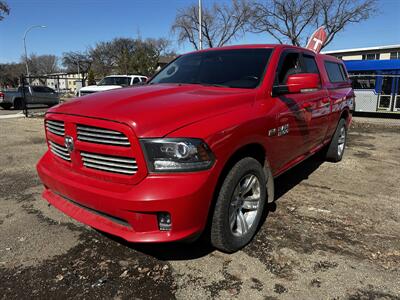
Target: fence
<point>377,93</point>
<point>46,89</point>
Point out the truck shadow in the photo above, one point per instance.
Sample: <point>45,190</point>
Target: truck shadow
<point>201,247</point>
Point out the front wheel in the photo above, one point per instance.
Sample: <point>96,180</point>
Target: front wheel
<point>239,207</point>
<point>335,149</point>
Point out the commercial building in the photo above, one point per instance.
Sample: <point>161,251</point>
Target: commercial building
<point>368,53</point>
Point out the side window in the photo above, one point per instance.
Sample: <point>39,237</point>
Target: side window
<point>135,80</point>
<point>310,64</point>
<point>38,89</point>
<point>48,90</point>
<point>335,71</point>
<point>364,81</point>
<point>289,64</point>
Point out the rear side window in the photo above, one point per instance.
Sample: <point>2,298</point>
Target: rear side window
<point>310,64</point>
<point>135,80</point>
<point>335,71</point>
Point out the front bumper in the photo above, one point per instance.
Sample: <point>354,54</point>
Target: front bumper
<point>130,211</point>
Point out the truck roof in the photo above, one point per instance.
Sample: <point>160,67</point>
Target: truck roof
<point>126,75</point>
<point>274,46</point>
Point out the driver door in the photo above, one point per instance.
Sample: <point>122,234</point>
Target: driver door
<point>290,133</point>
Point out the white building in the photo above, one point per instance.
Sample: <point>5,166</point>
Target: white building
<point>61,82</point>
<point>367,53</point>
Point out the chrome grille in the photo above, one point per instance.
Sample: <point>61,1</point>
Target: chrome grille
<point>55,127</point>
<point>102,136</point>
<point>59,150</point>
<point>115,164</point>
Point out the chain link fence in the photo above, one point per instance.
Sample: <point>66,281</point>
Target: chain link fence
<point>377,95</point>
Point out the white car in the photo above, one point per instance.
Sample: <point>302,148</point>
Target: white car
<point>112,82</point>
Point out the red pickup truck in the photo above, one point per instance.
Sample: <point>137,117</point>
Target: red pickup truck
<point>197,148</point>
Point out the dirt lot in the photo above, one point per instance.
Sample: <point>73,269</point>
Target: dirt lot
<point>334,234</point>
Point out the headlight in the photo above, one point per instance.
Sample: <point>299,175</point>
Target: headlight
<point>177,155</point>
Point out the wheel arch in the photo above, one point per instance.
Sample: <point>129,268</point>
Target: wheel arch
<point>253,149</point>
<point>345,114</point>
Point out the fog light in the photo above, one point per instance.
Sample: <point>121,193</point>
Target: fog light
<point>164,221</point>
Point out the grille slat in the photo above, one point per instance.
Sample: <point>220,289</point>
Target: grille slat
<point>101,130</point>
<point>55,127</point>
<point>98,135</point>
<point>59,151</point>
<point>102,136</point>
<point>102,141</point>
<point>109,163</point>
<point>59,147</point>
<point>108,158</point>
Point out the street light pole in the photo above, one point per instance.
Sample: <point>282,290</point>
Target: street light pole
<point>200,23</point>
<point>26,53</point>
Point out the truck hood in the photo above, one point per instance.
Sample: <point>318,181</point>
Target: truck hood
<point>99,88</point>
<point>156,110</point>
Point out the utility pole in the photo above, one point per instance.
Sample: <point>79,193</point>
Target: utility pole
<point>200,23</point>
<point>26,53</point>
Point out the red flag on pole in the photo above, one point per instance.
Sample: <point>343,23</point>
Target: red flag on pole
<point>317,40</point>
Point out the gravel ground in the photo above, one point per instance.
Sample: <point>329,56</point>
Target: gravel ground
<point>333,234</point>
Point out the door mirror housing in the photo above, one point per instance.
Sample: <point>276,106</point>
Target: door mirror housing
<point>298,83</point>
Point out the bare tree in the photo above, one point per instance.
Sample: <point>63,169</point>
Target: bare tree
<point>221,23</point>
<point>42,64</point>
<point>291,21</point>
<point>4,9</point>
<point>10,74</point>
<point>103,60</point>
<point>335,15</point>
<point>127,56</point>
<point>74,61</point>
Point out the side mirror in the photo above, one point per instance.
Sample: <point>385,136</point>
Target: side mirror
<point>298,83</point>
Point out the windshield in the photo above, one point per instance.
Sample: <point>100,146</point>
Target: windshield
<point>242,68</point>
<point>115,81</point>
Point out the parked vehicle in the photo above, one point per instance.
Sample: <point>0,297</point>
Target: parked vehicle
<point>376,85</point>
<point>112,82</point>
<point>197,149</point>
<point>33,95</point>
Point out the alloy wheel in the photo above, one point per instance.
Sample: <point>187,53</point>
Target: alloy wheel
<point>341,140</point>
<point>244,205</point>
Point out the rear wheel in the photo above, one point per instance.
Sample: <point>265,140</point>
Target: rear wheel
<point>336,148</point>
<point>18,104</point>
<point>6,105</point>
<point>239,207</point>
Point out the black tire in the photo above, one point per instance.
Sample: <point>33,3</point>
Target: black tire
<point>222,236</point>
<point>333,152</point>
<point>6,105</point>
<point>18,104</point>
